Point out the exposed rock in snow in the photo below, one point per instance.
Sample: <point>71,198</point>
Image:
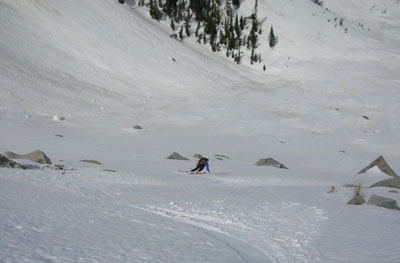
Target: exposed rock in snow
<point>270,162</point>
<point>7,163</point>
<point>176,156</point>
<point>36,156</point>
<point>383,202</point>
<point>90,161</point>
<point>382,165</point>
<point>357,200</point>
<point>221,156</point>
<point>392,182</point>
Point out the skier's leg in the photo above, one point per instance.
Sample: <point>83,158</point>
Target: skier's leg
<point>201,167</point>
<point>196,168</point>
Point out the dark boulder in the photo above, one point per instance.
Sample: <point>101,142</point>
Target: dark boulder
<point>36,156</point>
<point>383,202</point>
<point>392,183</point>
<point>270,162</point>
<point>382,165</point>
<point>176,156</point>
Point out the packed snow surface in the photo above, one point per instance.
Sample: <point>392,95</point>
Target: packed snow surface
<point>77,76</point>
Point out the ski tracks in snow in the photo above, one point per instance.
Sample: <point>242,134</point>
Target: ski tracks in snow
<point>280,232</point>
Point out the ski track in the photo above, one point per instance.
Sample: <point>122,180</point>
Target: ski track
<point>270,230</point>
<point>280,231</point>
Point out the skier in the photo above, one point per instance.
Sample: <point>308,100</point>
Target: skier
<point>203,162</point>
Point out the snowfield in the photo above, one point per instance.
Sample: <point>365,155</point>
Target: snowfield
<point>77,76</point>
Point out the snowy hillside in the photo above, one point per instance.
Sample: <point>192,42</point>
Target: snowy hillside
<point>77,76</point>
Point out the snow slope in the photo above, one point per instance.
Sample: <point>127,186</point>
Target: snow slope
<point>88,71</point>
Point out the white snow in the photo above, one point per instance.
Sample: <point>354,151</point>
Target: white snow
<point>76,76</point>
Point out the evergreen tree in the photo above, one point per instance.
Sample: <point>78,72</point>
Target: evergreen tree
<point>216,22</point>
<point>181,33</point>
<point>237,26</point>
<point>172,24</point>
<point>196,33</point>
<point>188,18</point>
<point>155,12</point>
<point>242,22</point>
<point>187,29</point>
<point>228,8</point>
<point>238,57</point>
<point>255,10</point>
<point>272,38</point>
<point>169,7</point>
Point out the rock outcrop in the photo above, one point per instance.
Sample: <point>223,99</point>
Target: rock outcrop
<point>270,162</point>
<point>383,202</point>
<point>357,200</point>
<point>382,165</point>
<point>176,156</point>
<point>392,183</point>
<point>36,156</point>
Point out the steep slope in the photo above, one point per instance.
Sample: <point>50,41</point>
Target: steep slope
<point>76,76</point>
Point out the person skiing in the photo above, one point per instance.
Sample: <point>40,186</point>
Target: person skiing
<point>201,163</point>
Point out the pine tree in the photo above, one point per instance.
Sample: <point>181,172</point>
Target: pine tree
<point>272,38</point>
<point>155,12</point>
<point>228,8</point>
<point>237,27</point>
<point>188,18</point>
<point>169,7</point>
<point>196,33</point>
<point>238,56</point>
<point>242,22</point>
<point>187,29</point>
<point>172,24</point>
<point>181,33</point>
<point>255,11</point>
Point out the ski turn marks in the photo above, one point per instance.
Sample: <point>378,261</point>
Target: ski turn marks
<point>268,233</point>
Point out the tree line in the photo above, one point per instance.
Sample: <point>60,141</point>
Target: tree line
<point>212,22</point>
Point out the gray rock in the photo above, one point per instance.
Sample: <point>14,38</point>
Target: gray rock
<point>176,156</point>
<point>392,183</point>
<point>7,163</point>
<point>349,185</point>
<point>383,202</point>
<point>221,156</point>
<point>137,127</point>
<point>110,170</point>
<point>357,200</point>
<point>36,156</point>
<point>270,162</point>
<point>393,191</point>
<point>382,165</point>
<point>90,161</point>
